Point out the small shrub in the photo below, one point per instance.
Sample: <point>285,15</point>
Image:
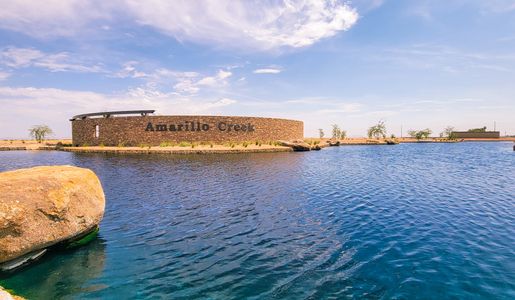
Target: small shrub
<point>245,144</point>
<point>232,145</point>
<point>85,145</point>
<point>101,145</point>
<point>121,144</point>
<point>184,144</point>
<point>211,145</point>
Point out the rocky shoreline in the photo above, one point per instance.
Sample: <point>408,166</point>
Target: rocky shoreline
<point>307,144</point>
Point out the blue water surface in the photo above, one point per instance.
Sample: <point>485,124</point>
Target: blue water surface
<point>411,221</point>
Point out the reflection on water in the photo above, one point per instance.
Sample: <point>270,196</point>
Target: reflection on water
<point>62,273</point>
<point>407,221</point>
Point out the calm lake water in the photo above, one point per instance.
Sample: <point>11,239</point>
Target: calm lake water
<point>428,221</point>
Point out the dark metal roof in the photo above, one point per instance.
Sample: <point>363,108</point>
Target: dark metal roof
<point>107,114</point>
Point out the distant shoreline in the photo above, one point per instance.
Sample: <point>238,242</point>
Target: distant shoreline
<point>28,145</point>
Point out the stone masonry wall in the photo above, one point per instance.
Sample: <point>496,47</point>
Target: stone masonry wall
<point>152,130</point>
<point>477,135</point>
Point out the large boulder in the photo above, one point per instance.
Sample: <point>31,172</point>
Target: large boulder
<point>44,206</point>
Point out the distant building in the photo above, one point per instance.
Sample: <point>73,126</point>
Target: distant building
<point>476,135</point>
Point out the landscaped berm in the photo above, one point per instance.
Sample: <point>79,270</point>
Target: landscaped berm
<point>44,209</point>
<point>133,128</point>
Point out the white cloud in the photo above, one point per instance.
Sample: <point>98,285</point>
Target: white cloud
<point>250,24</point>
<point>28,57</point>
<point>26,106</point>
<point>129,71</point>
<point>189,83</point>
<point>267,71</point>
<point>185,83</point>
<point>52,18</point>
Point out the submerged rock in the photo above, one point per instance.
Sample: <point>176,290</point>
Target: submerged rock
<point>44,206</point>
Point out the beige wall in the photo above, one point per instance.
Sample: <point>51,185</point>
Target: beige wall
<point>136,130</point>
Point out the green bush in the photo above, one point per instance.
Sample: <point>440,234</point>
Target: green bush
<point>184,144</point>
<point>166,144</point>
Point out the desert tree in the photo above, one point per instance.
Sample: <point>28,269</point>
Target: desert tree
<point>338,133</point>
<point>420,134</point>
<point>343,134</point>
<point>377,131</point>
<point>40,132</point>
<point>321,133</point>
<point>448,132</point>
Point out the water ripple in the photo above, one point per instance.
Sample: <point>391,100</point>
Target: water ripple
<point>410,221</point>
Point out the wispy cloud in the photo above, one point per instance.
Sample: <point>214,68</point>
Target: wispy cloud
<point>59,18</point>
<point>182,82</point>
<point>249,24</point>
<point>253,25</point>
<point>267,71</point>
<point>16,58</point>
<point>129,71</point>
<point>192,84</point>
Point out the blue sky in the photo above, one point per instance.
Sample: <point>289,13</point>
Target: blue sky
<point>414,64</point>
